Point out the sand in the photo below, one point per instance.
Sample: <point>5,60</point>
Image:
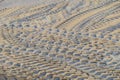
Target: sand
<point>59,40</point>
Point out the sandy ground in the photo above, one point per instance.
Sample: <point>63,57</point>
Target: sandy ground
<point>59,39</point>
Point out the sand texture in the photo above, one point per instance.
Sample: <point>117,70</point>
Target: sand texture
<point>59,39</point>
